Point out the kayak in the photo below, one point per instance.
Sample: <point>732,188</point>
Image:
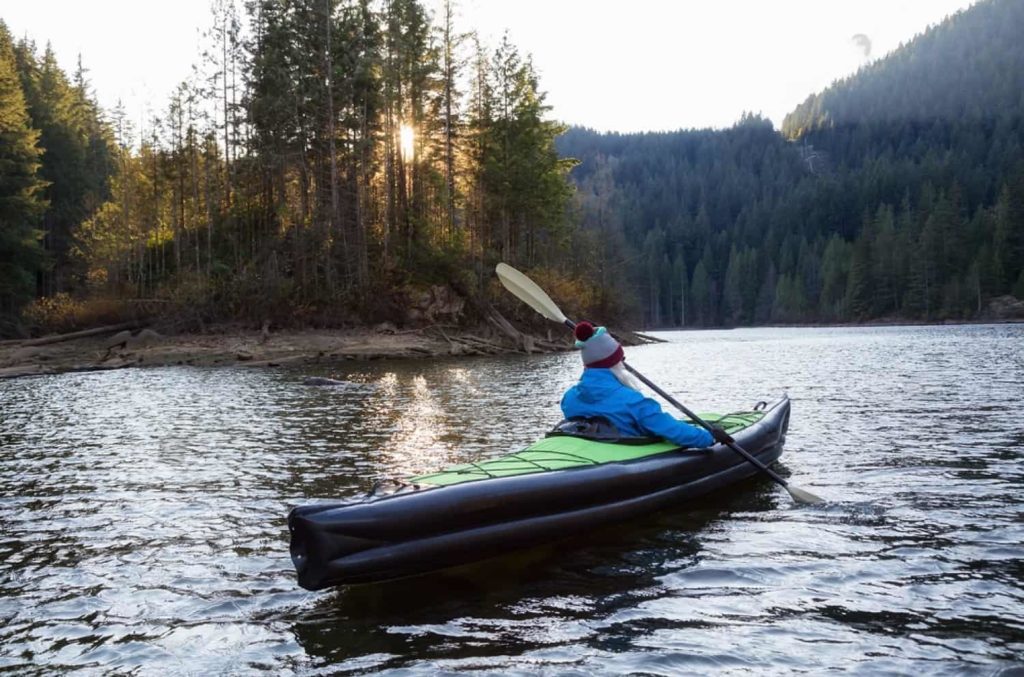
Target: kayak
<point>580,476</point>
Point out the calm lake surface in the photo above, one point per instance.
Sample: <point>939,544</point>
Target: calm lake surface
<point>142,517</point>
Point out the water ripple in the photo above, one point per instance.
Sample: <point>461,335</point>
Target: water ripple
<point>143,527</point>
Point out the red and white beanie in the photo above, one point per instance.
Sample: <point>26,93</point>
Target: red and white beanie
<point>597,347</point>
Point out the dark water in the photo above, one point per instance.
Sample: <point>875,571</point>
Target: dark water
<point>142,518</point>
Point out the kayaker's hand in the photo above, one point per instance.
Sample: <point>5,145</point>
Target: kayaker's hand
<point>721,436</point>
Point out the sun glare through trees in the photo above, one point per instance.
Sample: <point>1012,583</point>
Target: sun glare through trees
<point>407,141</point>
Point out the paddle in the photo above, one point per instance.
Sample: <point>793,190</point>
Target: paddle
<point>529,293</point>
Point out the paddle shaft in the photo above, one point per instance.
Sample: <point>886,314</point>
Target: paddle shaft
<point>697,419</point>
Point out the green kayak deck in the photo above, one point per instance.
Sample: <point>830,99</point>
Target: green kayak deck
<point>560,452</point>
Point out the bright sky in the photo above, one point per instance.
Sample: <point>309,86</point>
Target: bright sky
<point>622,65</point>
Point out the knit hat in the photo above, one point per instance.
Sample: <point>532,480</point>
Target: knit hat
<point>598,349</point>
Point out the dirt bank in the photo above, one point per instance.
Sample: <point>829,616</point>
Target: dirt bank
<point>119,348</point>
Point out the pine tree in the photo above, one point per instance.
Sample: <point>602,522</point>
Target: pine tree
<point>835,273</point>
<point>732,294</point>
<point>766,295</point>
<point>451,42</point>
<point>523,178</point>
<point>681,288</point>
<point>1009,231</point>
<point>861,285</point>
<point>76,164</point>
<point>20,187</point>
<point>790,302</point>
<point>654,253</point>
<point>700,292</point>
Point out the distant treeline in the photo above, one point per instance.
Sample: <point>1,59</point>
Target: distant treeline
<point>896,193</point>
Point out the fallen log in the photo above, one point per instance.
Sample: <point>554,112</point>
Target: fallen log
<point>633,338</point>
<point>85,333</point>
<point>648,338</point>
<point>476,340</point>
<point>551,346</point>
<point>518,338</point>
<point>455,347</point>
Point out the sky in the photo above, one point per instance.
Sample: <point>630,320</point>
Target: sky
<point>612,65</point>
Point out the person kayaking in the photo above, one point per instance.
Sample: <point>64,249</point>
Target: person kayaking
<point>607,390</point>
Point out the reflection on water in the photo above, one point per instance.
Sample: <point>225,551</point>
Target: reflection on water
<point>142,517</point>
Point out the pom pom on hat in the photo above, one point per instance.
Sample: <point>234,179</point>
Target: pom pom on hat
<point>583,331</point>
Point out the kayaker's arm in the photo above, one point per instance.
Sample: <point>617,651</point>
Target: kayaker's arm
<point>655,421</point>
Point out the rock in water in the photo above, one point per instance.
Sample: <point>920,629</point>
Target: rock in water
<point>321,381</point>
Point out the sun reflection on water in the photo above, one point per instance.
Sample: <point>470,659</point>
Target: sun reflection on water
<point>413,415</point>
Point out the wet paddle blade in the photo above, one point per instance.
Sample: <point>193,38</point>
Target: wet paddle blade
<point>802,496</point>
<point>528,292</point>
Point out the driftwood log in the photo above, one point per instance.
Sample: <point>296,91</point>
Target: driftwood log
<point>85,333</point>
<point>504,326</point>
<point>635,338</point>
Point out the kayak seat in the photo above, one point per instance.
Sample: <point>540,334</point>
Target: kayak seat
<point>598,429</point>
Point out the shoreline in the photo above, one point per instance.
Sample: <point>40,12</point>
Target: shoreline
<point>105,349</point>
<point>115,347</point>
<point>849,325</point>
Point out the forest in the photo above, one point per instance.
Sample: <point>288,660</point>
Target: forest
<point>336,158</point>
<point>896,194</point>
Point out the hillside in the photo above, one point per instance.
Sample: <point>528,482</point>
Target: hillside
<point>896,194</point>
<point>323,168</point>
<point>969,68</point>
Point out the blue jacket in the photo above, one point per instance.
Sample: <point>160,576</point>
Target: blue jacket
<point>599,393</point>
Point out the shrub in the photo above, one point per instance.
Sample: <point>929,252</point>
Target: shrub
<point>62,313</point>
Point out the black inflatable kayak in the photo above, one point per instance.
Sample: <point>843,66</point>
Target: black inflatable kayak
<point>561,485</point>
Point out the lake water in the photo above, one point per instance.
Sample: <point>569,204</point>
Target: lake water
<point>142,517</point>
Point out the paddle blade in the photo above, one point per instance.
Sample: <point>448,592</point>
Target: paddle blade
<point>528,292</point>
<point>802,496</point>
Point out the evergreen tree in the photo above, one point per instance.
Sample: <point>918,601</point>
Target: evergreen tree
<point>76,164</point>
<point>522,176</point>
<point>1009,230</point>
<point>886,264</point>
<point>740,292</point>
<point>861,286</point>
<point>681,290</point>
<point>654,253</point>
<point>835,273</point>
<point>790,303</point>
<point>732,293</point>
<point>21,204</point>
<point>764,311</point>
<point>701,293</point>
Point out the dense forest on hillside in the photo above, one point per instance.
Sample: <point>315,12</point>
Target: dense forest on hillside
<point>338,161</point>
<point>897,193</point>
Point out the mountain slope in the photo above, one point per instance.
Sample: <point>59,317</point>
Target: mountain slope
<point>897,193</point>
<point>969,67</point>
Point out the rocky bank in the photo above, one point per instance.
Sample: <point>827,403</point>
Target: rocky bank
<point>119,347</point>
